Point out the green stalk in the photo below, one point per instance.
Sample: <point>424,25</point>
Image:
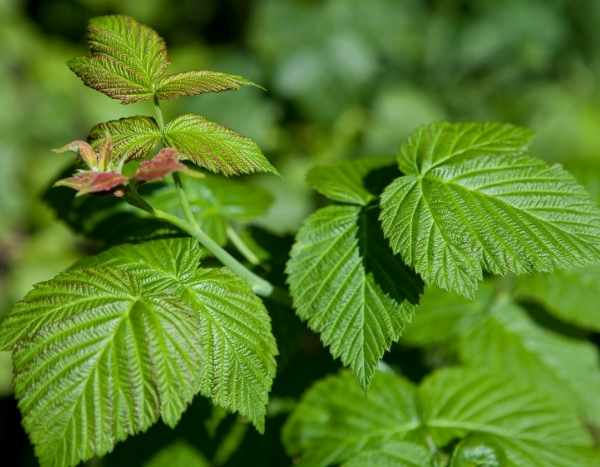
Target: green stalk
<point>241,245</point>
<point>259,285</point>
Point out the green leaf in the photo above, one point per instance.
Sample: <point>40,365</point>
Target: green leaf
<point>127,62</point>
<point>569,295</point>
<point>214,147</point>
<point>132,137</point>
<point>349,287</point>
<point>393,454</point>
<point>478,451</point>
<point>497,334</point>
<point>216,203</point>
<point>530,428</point>
<point>442,317</point>
<point>471,201</point>
<point>336,421</point>
<point>192,83</point>
<point>178,454</point>
<point>344,181</point>
<point>504,339</point>
<point>106,348</point>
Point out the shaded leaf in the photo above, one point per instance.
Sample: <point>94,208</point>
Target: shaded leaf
<point>569,295</point>
<point>344,181</point>
<point>106,348</point>
<point>178,454</point>
<point>336,421</point>
<point>504,339</point>
<point>393,454</point>
<point>470,201</point>
<point>214,147</point>
<point>348,286</point>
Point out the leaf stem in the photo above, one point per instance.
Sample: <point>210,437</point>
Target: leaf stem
<point>159,116</point>
<point>259,285</point>
<point>241,245</point>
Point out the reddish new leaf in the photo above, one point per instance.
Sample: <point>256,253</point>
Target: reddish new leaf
<point>93,182</point>
<point>86,152</point>
<point>164,163</point>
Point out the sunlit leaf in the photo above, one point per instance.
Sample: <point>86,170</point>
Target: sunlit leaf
<point>472,201</point>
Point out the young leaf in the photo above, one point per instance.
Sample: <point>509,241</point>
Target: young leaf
<point>471,201</point>
<point>335,420</point>
<point>178,454</point>
<point>192,83</point>
<point>86,152</point>
<point>161,165</point>
<point>87,181</point>
<point>132,137</point>
<point>216,203</point>
<point>127,62</point>
<point>569,295</point>
<point>214,147</point>
<point>105,348</point>
<point>349,287</point>
<point>507,341</point>
<point>345,181</point>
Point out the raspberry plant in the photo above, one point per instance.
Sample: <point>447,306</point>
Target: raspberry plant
<point>447,234</point>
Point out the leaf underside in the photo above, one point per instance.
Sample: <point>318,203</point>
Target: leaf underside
<point>471,201</point>
<point>105,349</point>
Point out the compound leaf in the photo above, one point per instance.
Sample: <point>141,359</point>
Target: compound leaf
<point>336,421</point>
<point>127,62</point>
<point>214,147</point>
<point>471,201</point>
<point>349,287</point>
<point>569,295</point>
<point>191,83</point>
<point>345,181</point>
<point>106,348</point>
<point>132,137</point>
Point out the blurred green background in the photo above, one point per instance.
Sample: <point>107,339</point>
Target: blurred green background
<point>344,78</point>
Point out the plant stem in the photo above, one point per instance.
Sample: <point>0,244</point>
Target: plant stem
<point>241,245</point>
<point>158,113</point>
<point>258,284</point>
